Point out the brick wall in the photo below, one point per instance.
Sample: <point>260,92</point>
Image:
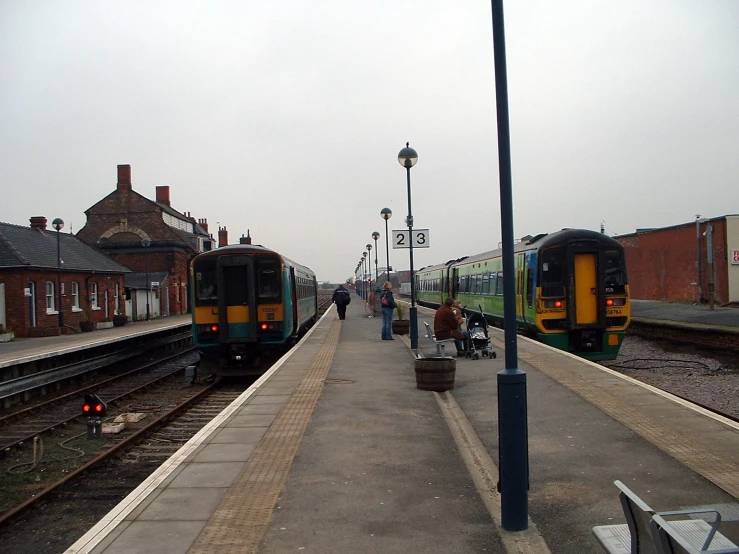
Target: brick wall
<point>18,306</point>
<point>662,263</point>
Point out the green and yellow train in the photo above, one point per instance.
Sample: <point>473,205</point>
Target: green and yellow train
<point>248,300</point>
<point>572,291</point>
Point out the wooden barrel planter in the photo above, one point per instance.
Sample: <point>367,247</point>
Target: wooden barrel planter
<point>401,326</point>
<point>435,374</point>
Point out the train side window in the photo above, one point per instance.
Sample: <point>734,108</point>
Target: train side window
<point>499,284</point>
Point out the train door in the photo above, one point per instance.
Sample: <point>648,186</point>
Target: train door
<point>586,289</point>
<point>237,306</point>
<point>453,283</point>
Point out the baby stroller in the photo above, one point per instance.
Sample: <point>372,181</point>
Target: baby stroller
<point>479,339</point>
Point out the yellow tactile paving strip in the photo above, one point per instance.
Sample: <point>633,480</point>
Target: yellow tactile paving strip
<point>716,468</point>
<point>241,520</point>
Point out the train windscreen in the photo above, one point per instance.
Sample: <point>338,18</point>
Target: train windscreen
<point>553,272</point>
<point>615,272</point>
<point>206,287</point>
<point>268,280</point>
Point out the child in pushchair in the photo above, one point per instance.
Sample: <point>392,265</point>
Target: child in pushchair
<point>479,339</point>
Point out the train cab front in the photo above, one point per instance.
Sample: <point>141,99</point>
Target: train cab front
<point>238,312</point>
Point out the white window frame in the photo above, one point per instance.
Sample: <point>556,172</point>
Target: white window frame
<point>50,298</point>
<point>76,297</point>
<point>94,296</point>
<point>116,299</point>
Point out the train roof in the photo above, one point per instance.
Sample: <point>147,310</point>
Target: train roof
<point>541,240</point>
<point>253,249</point>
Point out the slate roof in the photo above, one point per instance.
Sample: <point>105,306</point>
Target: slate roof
<point>28,247</point>
<point>138,280</point>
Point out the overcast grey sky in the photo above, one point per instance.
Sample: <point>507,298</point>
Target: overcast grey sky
<point>286,117</point>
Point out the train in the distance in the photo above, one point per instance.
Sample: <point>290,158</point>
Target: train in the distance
<point>572,292</point>
<point>248,300</point>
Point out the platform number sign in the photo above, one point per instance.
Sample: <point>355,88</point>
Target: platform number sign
<point>735,257</point>
<point>420,239</point>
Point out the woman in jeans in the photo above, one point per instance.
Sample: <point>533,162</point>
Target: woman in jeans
<point>388,305</point>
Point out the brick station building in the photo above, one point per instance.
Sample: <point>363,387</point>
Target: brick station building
<point>92,284</point>
<point>674,263</point>
<point>151,238</point>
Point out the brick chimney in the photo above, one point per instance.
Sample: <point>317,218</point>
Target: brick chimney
<point>124,178</point>
<point>245,239</point>
<point>163,195</point>
<point>222,236</point>
<point>204,224</point>
<point>38,222</point>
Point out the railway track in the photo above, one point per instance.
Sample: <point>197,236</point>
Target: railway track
<point>21,426</point>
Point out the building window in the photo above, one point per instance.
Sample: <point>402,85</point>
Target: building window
<point>50,297</point>
<point>116,298</point>
<point>75,295</point>
<point>94,296</point>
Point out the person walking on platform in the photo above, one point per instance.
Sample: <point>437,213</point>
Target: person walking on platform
<point>446,326</point>
<point>388,305</point>
<point>341,298</point>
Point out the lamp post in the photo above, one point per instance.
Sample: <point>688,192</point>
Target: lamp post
<point>146,243</point>
<point>369,265</point>
<point>513,450</point>
<point>408,157</point>
<point>387,213</point>
<point>58,224</point>
<point>364,274</point>
<point>376,236</point>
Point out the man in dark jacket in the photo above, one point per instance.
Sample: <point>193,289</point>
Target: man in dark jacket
<point>446,325</point>
<point>341,298</point>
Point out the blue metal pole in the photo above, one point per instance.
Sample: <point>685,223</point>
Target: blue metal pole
<point>387,252</point>
<point>512,415</point>
<point>413,314</point>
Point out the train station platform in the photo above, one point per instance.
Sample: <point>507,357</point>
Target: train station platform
<point>336,450</point>
<point>23,350</point>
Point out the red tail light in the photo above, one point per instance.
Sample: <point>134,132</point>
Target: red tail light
<point>558,304</point>
<point>265,326</point>
<point>214,328</point>
<point>609,302</point>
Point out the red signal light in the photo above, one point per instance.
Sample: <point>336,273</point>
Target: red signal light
<point>93,405</point>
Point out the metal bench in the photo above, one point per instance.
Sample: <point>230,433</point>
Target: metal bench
<point>440,351</point>
<point>674,541</point>
<point>636,537</point>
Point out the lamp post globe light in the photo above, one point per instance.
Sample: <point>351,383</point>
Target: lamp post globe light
<point>146,243</point>
<point>408,157</point>
<point>58,224</point>
<point>386,213</point>
<point>376,236</point>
